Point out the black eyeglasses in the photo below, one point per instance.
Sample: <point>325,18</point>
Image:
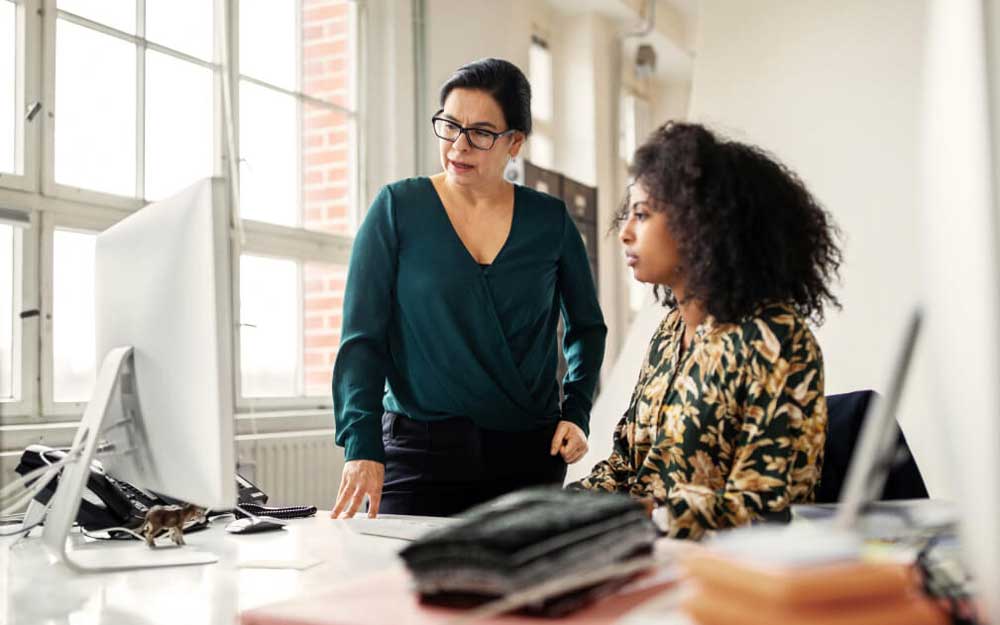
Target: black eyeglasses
<point>479,138</point>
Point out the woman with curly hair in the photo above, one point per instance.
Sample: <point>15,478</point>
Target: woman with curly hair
<point>727,422</point>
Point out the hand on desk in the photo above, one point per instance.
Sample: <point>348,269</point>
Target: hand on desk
<point>570,441</point>
<point>360,478</point>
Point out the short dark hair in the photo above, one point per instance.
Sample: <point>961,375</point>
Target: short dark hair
<point>503,81</point>
<point>748,231</point>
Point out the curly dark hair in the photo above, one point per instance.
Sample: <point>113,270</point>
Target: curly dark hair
<point>748,231</point>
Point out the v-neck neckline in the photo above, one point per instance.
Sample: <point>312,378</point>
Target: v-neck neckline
<point>451,226</point>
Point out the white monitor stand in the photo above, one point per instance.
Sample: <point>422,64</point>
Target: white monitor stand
<point>116,374</point>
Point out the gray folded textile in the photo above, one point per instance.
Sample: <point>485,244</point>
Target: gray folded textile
<point>526,538</point>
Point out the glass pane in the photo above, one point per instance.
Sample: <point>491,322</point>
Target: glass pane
<point>95,132</point>
<point>328,58</point>
<point>7,338</point>
<point>267,41</point>
<point>8,85</point>
<point>73,350</point>
<point>540,76</point>
<point>542,150</point>
<point>327,170</point>
<point>269,327</point>
<point>317,60</point>
<point>178,124</point>
<point>119,14</point>
<point>269,181</point>
<point>323,293</point>
<point>184,25</point>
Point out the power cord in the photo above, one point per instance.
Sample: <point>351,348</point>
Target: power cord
<point>945,581</point>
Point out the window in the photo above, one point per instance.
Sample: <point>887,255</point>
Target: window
<point>95,133</point>
<point>73,315</point>
<point>9,335</point>
<point>290,314</point>
<point>542,147</point>
<point>131,110</point>
<point>142,127</point>
<point>296,123</point>
<point>297,129</point>
<point>8,86</point>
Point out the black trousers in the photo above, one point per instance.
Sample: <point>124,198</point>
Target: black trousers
<point>442,468</point>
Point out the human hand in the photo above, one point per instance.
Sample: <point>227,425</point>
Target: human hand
<point>360,478</point>
<point>570,441</point>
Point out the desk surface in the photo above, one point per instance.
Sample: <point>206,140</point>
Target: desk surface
<point>38,593</point>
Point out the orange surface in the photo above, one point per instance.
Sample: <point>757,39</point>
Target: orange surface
<point>829,583</point>
<point>710,608</point>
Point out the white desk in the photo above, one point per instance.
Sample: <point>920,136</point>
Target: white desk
<point>37,593</point>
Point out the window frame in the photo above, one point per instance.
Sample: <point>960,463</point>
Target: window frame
<point>286,242</point>
<point>27,61</point>
<point>55,206</point>
<point>26,334</point>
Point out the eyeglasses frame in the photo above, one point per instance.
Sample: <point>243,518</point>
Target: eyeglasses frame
<point>463,130</point>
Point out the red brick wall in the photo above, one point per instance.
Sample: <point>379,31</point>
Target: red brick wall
<point>327,62</point>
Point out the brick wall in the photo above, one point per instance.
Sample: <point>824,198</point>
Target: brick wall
<point>327,62</point>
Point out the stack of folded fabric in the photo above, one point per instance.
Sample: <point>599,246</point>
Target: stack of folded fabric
<point>527,538</point>
<point>731,590</point>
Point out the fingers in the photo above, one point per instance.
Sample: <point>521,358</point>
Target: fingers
<point>573,451</point>
<point>574,445</point>
<point>357,496</point>
<point>558,439</point>
<point>360,478</point>
<point>338,506</point>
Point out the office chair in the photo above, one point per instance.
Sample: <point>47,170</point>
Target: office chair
<point>846,413</point>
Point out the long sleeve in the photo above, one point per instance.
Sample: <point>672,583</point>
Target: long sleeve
<point>776,456</point>
<point>583,342</point>
<point>362,362</point>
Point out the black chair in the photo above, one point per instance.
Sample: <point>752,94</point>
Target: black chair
<point>846,414</point>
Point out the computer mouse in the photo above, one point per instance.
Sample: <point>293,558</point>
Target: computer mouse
<point>256,524</point>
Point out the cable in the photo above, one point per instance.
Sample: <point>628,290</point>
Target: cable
<point>26,497</point>
<point>23,530</point>
<point>114,529</point>
<point>70,456</point>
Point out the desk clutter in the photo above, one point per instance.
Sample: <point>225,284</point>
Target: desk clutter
<point>739,587</point>
<point>527,539</point>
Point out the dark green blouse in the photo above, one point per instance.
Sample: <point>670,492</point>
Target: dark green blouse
<point>455,339</point>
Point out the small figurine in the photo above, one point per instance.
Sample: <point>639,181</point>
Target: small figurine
<point>172,518</point>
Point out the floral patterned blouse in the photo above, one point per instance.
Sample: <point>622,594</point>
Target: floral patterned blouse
<point>729,431</point>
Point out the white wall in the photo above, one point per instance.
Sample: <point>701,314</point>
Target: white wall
<point>457,33</point>
<point>834,89</point>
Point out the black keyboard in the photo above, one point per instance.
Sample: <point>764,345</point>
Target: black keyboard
<point>288,512</point>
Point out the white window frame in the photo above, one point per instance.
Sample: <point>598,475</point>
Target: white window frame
<point>298,244</point>
<point>26,333</point>
<point>27,61</point>
<point>52,205</point>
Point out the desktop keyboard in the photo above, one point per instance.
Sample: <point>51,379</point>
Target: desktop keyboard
<point>400,527</point>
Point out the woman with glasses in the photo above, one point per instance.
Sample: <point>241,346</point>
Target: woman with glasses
<point>445,390</point>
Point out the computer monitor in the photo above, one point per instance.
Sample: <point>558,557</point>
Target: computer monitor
<point>960,227</point>
<point>161,414</point>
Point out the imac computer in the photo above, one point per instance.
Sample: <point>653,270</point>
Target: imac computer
<point>960,264</point>
<point>161,413</point>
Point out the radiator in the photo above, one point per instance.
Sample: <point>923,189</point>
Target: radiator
<point>295,468</point>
